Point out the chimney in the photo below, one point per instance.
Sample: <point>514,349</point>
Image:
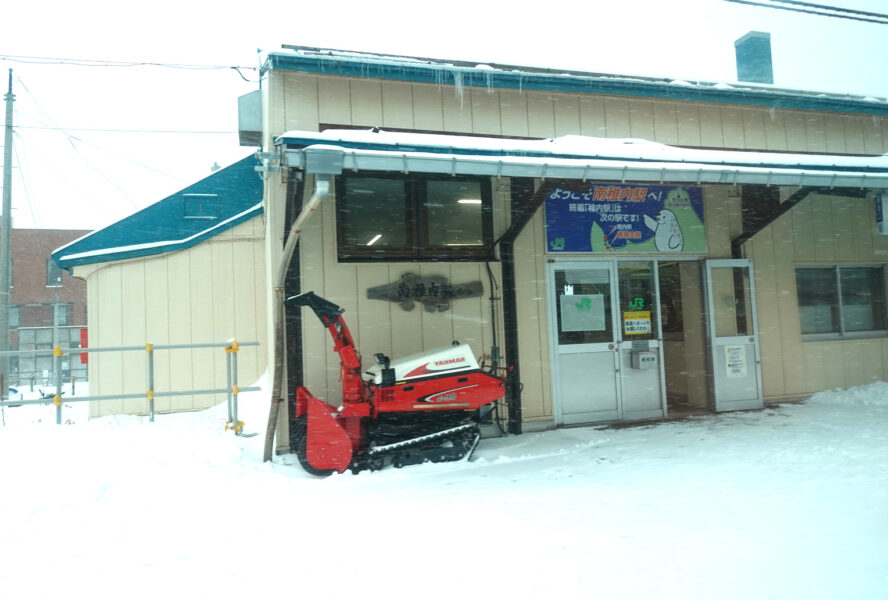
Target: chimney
<point>754,58</point>
<point>249,118</point>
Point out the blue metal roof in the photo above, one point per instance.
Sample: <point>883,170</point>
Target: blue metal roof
<point>204,209</point>
<point>460,73</point>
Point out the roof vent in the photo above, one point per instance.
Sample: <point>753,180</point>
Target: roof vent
<point>754,58</point>
<point>201,206</point>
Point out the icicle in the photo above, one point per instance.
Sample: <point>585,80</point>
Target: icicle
<point>458,86</point>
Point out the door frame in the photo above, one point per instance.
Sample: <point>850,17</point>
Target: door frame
<point>612,265</point>
<point>715,342</point>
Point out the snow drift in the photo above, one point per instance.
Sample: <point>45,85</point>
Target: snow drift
<point>786,502</point>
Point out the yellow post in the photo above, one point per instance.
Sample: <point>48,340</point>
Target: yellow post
<point>233,423</point>
<point>57,399</point>
<point>149,354</point>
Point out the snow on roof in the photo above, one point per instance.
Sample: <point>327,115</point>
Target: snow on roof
<point>579,157</point>
<point>200,211</point>
<point>467,73</point>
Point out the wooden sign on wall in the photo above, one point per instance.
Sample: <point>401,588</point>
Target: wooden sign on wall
<point>435,292</point>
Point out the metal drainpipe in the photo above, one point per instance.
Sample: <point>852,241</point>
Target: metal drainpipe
<point>292,287</point>
<point>510,326</point>
<point>524,205</point>
<point>321,191</point>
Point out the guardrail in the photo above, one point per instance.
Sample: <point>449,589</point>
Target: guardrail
<point>230,347</point>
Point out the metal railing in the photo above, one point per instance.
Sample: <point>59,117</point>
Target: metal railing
<point>230,347</point>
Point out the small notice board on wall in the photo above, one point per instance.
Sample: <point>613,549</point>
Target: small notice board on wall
<point>637,322</point>
<point>735,361</point>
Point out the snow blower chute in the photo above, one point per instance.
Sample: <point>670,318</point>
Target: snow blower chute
<point>423,407</point>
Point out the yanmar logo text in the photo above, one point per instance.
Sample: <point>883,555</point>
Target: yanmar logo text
<point>450,361</point>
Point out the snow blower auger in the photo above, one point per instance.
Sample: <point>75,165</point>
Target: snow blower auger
<point>423,407</point>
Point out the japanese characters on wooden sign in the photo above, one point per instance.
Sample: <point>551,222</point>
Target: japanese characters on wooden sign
<point>435,292</point>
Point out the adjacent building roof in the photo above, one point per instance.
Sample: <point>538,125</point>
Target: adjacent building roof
<point>461,73</point>
<point>571,157</point>
<point>200,211</point>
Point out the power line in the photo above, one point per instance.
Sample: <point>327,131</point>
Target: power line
<point>25,186</point>
<point>103,130</point>
<point>852,11</point>
<point>72,140</point>
<point>821,10</point>
<point>89,62</point>
<point>69,137</point>
<point>87,198</point>
<point>53,126</point>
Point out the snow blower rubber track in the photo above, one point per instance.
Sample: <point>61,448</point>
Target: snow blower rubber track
<point>427,448</point>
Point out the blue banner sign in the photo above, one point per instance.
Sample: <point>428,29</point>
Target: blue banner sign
<point>633,218</point>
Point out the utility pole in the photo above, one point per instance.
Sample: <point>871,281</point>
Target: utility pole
<point>5,227</point>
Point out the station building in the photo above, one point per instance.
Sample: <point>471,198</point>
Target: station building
<point>625,248</point>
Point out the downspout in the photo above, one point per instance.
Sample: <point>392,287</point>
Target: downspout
<point>292,287</point>
<point>524,205</point>
<point>321,191</point>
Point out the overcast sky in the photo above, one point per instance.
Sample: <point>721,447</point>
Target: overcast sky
<point>95,143</point>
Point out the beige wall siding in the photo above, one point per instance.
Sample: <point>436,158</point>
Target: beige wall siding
<point>310,100</point>
<point>723,217</point>
<point>207,293</point>
<point>533,321</point>
<point>825,230</point>
<point>383,326</point>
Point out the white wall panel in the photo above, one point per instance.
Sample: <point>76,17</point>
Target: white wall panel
<point>204,294</point>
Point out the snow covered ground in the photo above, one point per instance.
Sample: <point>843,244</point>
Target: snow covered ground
<point>788,502</point>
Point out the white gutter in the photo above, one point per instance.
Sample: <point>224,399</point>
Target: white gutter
<point>830,174</point>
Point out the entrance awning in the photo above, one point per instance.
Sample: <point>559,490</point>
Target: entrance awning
<point>570,157</point>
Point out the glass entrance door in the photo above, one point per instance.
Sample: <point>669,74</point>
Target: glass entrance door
<point>586,348</point>
<point>606,343</point>
<point>733,335</point>
<point>641,375</point>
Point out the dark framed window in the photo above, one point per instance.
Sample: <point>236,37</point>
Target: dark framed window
<point>53,274</point>
<point>386,216</point>
<point>841,301</point>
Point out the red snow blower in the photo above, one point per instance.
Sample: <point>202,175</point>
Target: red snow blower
<point>423,407</point>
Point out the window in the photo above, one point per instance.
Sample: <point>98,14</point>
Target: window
<point>61,313</point>
<point>417,217</point>
<point>53,274</point>
<point>840,301</point>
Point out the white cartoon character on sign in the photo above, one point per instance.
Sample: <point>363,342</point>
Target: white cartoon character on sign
<point>667,233</point>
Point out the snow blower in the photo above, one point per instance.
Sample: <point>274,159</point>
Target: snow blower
<point>423,407</point>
